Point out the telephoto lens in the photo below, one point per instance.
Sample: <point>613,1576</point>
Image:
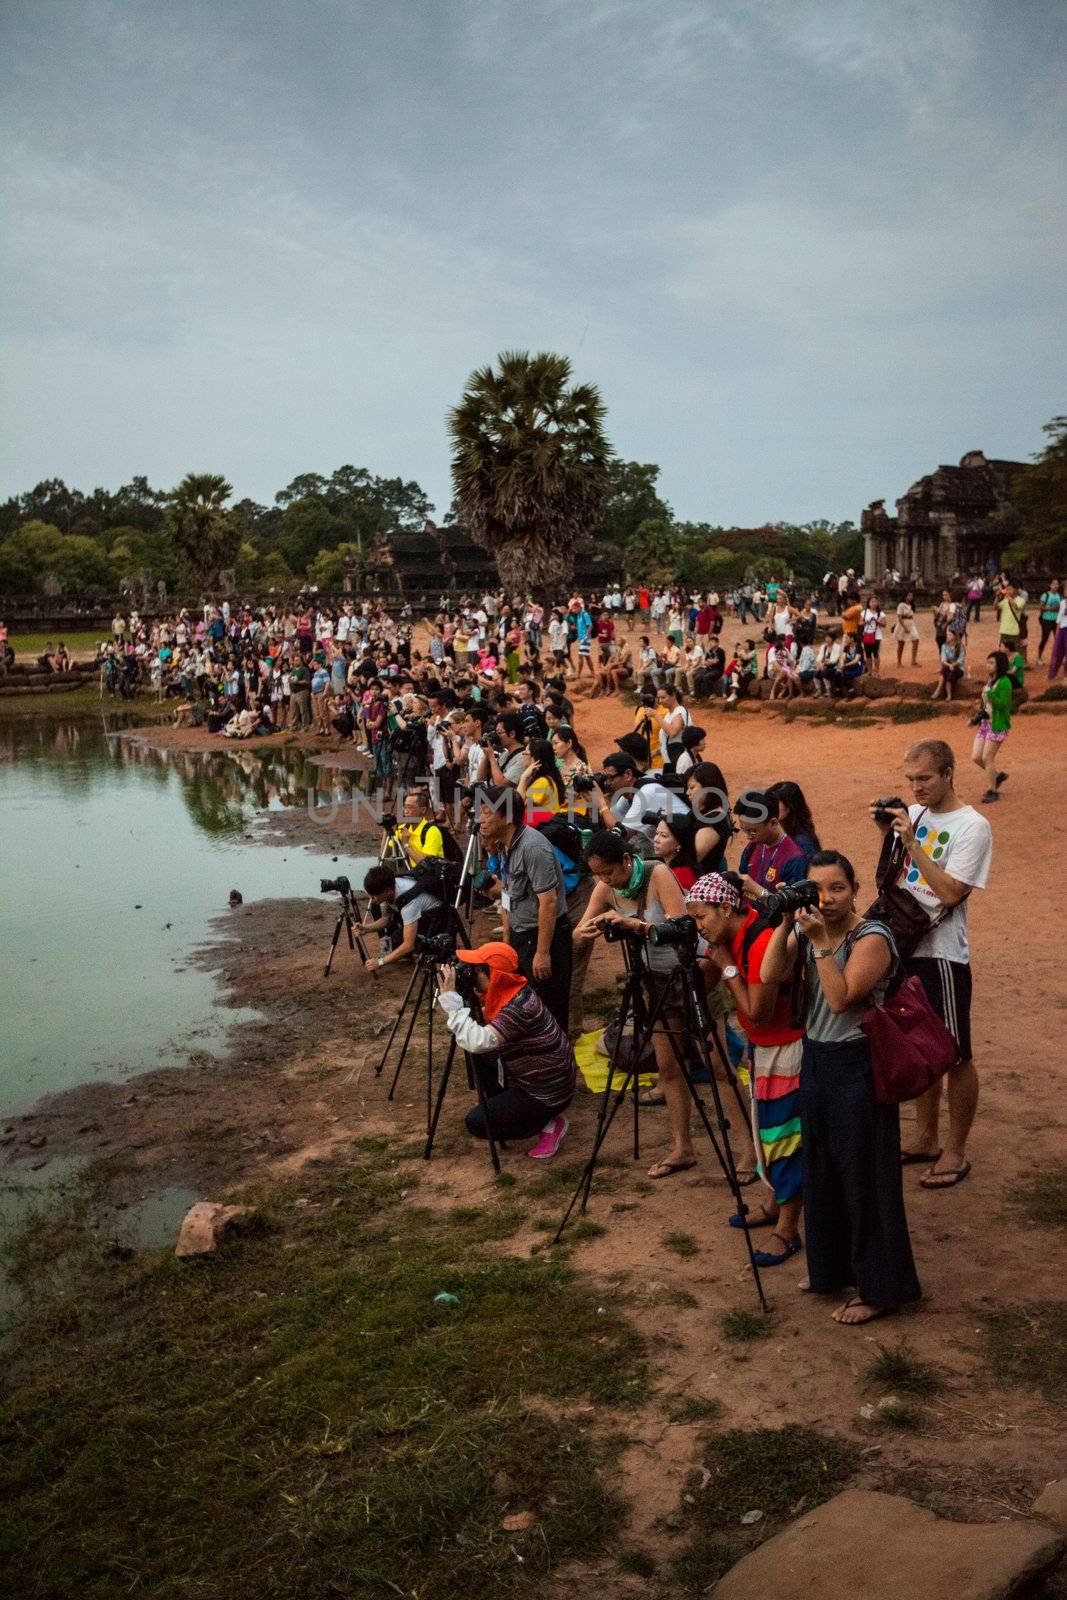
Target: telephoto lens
<point>675,933</point>
<point>337,885</point>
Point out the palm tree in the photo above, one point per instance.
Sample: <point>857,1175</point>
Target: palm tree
<point>529,466</point>
<point>206,535</point>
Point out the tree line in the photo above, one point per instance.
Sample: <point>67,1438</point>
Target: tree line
<point>534,476</point>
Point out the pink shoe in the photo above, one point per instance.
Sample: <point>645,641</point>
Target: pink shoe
<point>550,1140</point>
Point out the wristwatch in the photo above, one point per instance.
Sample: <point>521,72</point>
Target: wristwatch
<point>730,972</point>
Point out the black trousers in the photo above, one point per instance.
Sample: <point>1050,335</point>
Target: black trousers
<point>556,990</point>
<point>855,1228</point>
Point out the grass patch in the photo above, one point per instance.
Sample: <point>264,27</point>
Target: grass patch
<point>895,1416</point>
<point>777,1471</point>
<point>745,1326</point>
<point>682,1244</point>
<point>696,1408</point>
<point>897,1367</point>
<point>305,1386</point>
<point>1042,1197</point>
<point>1027,1346</point>
<point>81,642</point>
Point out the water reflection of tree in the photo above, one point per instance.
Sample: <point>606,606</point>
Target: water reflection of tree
<point>221,788</point>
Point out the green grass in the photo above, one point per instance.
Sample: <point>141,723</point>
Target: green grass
<point>82,642</point>
<point>898,1368</point>
<point>682,1244</point>
<point>1026,1346</point>
<point>1042,1197</point>
<point>744,1326</point>
<point>777,1471</point>
<point>296,1416</point>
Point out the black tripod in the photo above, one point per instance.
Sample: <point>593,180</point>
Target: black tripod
<point>348,918</point>
<point>685,987</point>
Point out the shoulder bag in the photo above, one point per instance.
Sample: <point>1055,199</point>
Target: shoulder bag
<point>902,914</point>
<point>911,1048</point>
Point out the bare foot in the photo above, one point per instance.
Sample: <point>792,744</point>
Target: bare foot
<point>804,1285</point>
<point>855,1312</point>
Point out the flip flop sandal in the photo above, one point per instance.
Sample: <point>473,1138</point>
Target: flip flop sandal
<point>667,1169</point>
<point>745,1176</point>
<point>910,1158</point>
<point>651,1098</point>
<point>950,1179</point>
<point>771,1258</point>
<point>876,1312</point>
<point>739,1219</point>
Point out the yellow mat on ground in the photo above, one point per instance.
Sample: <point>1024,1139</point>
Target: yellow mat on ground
<point>593,1066</point>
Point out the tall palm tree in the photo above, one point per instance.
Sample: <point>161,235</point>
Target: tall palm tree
<point>529,465</point>
<point>206,535</point>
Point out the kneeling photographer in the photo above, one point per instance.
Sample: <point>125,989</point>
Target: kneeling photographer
<point>409,906</point>
<point>738,937</point>
<point>529,1075</point>
<point>633,896</point>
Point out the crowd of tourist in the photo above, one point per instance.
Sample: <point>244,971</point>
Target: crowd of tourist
<point>658,842</point>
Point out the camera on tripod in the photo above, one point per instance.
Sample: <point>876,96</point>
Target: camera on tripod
<point>586,782</point>
<point>438,947</point>
<point>616,932</point>
<point>438,876</point>
<point>338,885</point>
<point>676,933</point>
<point>803,896</point>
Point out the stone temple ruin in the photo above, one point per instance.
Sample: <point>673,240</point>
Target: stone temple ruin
<point>942,528</point>
<point>423,564</point>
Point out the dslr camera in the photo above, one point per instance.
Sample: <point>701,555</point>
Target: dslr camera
<point>614,933</point>
<point>803,896</point>
<point>676,933</point>
<point>338,885</point>
<point>439,947</point>
<point>883,809</point>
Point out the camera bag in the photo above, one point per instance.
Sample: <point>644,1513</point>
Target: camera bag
<point>902,914</point>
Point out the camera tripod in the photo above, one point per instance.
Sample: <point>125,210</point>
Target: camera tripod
<point>472,860</point>
<point>684,986</point>
<point>350,919</point>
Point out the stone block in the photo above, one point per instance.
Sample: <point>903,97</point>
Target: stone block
<point>204,1225</point>
<point>867,1546</point>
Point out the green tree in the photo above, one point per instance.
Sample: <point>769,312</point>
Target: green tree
<point>351,506</point>
<point>652,552</point>
<point>529,465</point>
<point>631,498</point>
<point>131,551</point>
<point>1036,517</point>
<point>328,568</point>
<point>307,526</point>
<point>26,555</point>
<point>205,534</point>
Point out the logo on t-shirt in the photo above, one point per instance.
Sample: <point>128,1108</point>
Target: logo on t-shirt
<point>932,843</point>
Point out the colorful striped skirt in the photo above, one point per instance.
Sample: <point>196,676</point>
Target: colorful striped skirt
<point>775,1088</point>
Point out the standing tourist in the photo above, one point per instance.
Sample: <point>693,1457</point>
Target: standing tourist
<point>995,725</point>
<point>737,944</point>
<point>1058,658</point>
<point>948,849</point>
<point>533,900</point>
<point>771,857</point>
<point>904,629</point>
<point>854,1219</point>
<point>1049,614</point>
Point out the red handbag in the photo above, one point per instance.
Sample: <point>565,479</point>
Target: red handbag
<point>910,1046</point>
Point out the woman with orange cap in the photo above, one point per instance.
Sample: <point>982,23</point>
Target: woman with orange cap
<point>531,1079</point>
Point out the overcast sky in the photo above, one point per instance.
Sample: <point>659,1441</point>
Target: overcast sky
<point>807,249</point>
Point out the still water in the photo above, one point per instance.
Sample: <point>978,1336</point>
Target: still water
<point>114,859</point>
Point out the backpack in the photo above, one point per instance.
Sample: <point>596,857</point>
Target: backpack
<point>566,842</point>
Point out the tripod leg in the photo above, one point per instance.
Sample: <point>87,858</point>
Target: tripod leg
<point>380,1068</point>
<point>407,1037</point>
<point>333,945</point>
<point>605,1116</point>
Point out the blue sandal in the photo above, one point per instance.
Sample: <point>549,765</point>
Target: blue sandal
<point>767,1258</point>
<point>739,1219</point>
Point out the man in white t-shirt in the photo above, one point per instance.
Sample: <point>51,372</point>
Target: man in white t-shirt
<point>949,848</point>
